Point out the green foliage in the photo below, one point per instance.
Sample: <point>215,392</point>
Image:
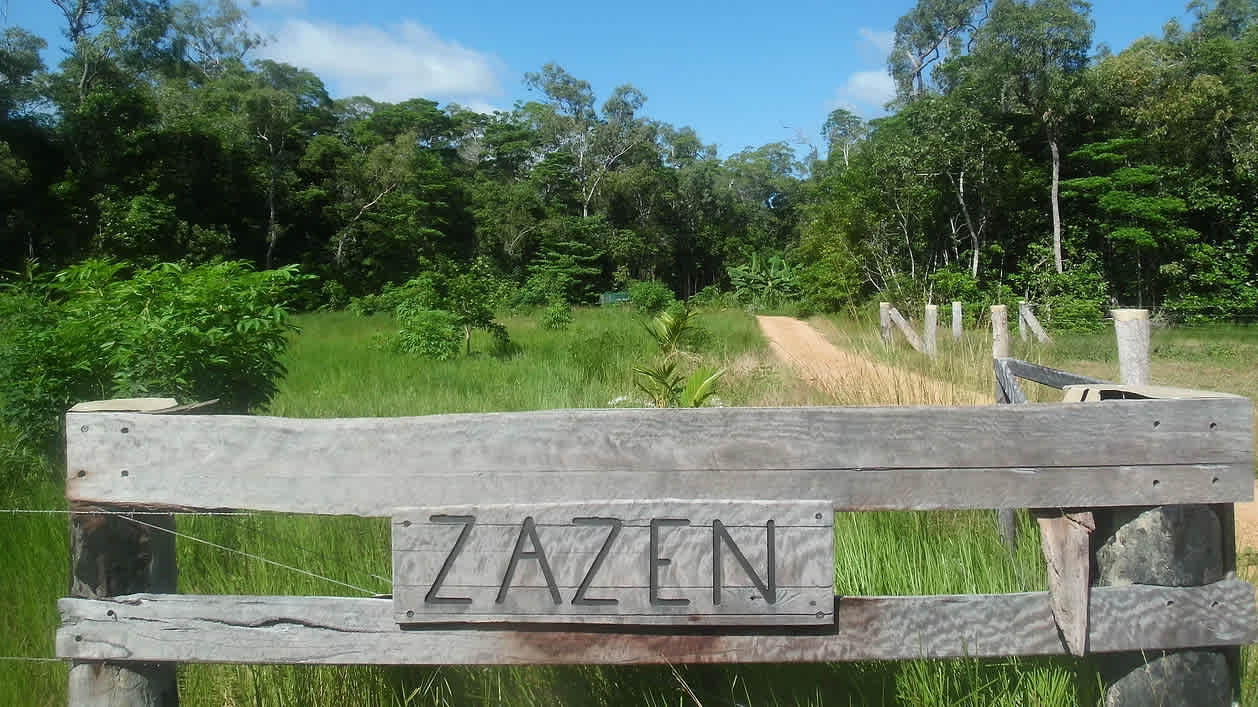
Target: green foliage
<point>765,283</point>
<point>673,328</point>
<point>470,295</point>
<point>429,333</point>
<point>103,330</point>
<point>650,296</point>
<point>667,387</point>
<point>557,315</point>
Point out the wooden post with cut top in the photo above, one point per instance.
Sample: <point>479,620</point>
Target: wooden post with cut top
<point>1000,349</point>
<point>956,321</point>
<point>928,332</point>
<point>884,322</point>
<point>1168,546</point>
<point>1022,333</point>
<point>116,551</point>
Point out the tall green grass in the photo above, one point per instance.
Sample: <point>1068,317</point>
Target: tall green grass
<point>334,370</point>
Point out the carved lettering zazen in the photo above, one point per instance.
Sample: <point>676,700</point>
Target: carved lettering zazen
<point>686,562</point>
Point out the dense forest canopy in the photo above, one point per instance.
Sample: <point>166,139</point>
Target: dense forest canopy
<point>1016,161</point>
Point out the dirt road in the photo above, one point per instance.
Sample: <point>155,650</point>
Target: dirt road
<point>857,380</point>
<point>854,379</point>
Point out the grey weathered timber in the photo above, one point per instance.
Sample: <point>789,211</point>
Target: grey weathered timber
<point>1022,332</point>
<point>1181,545</point>
<point>906,329</point>
<point>1000,331</point>
<point>112,554</point>
<point>1052,377</point>
<point>1007,388</point>
<point>956,321</point>
<point>1026,315</point>
<point>884,322</point>
<point>1131,329</point>
<point>929,337</point>
<point>646,562</point>
<point>1007,392</point>
<point>327,630</point>
<point>1065,539</point>
<point>1198,451</point>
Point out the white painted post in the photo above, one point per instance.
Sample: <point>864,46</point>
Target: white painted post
<point>884,322</point>
<point>1131,328</point>
<point>956,321</point>
<point>928,333</point>
<point>1022,334</point>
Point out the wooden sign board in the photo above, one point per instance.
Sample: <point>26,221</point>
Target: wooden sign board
<point>745,563</point>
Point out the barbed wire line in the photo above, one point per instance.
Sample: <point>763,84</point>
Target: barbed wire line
<point>55,511</point>
<point>252,556</point>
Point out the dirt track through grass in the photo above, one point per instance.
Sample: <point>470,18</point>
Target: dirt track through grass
<point>854,379</point>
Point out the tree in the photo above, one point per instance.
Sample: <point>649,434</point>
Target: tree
<point>842,131</point>
<point>1034,52</point>
<point>926,35</point>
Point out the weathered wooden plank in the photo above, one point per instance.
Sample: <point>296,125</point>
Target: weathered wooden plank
<point>1025,314</point>
<point>924,458</point>
<point>128,404</point>
<point>909,334</point>
<point>1065,540</point>
<point>956,321</point>
<point>324,630</point>
<point>647,562</point>
<point>1007,389</point>
<point>1131,329</point>
<point>1044,375</point>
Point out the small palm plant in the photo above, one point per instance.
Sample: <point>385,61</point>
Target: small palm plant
<point>670,329</point>
<point>668,387</point>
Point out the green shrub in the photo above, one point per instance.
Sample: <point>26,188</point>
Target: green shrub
<point>650,296</point>
<point>100,330</point>
<point>558,315</point>
<point>430,333</point>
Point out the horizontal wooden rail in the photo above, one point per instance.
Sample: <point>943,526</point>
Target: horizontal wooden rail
<point>1044,375</point>
<point>1037,456</point>
<point>326,630</point>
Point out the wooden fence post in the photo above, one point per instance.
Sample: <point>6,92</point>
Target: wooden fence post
<point>928,330</point>
<point>1173,546</point>
<point>114,553</point>
<point>1022,333</point>
<point>884,322</point>
<point>956,321</point>
<point>1131,328</point>
<point>1005,517</point>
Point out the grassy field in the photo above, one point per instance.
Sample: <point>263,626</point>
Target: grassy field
<point>335,371</point>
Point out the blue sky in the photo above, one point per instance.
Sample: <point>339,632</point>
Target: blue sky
<point>741,73</point>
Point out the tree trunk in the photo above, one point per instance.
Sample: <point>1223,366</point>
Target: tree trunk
<point>272,223</point>
<point>1052,146</point>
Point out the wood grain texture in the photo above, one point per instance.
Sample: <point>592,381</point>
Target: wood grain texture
<point>537,563</point>
<point>1044,375</point>
<point>1000,331</point>
<point>1026,315</point>
<point>884,322</point>
<point>1007,389</point>
<point>1065,539</point>
<point>957,323</point>
<point>910,335</point>
<point>1022,322</point>
<point>858,458</point>
<point>929,335</point>
<point>324,630</point>
<point>1131,329</point>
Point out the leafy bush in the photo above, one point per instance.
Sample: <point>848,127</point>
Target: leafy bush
<point>100,330</point>
<point>765,283</point>
<point>469,293</point>
<point>558,315</point>
<point>430,333</point>
<point>711,297</point>
<point>650,296</point>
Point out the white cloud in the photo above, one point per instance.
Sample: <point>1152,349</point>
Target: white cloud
<point>865,92</point>
<point>882,40</point>
<point>405,61</point>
